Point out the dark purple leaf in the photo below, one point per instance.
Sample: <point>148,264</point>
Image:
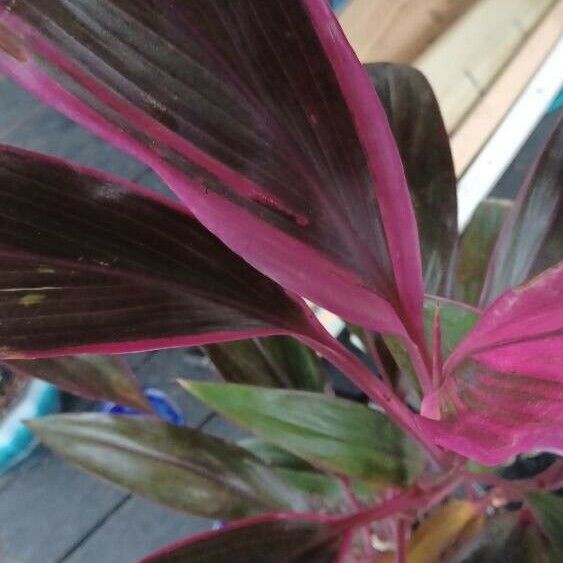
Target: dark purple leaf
<point>272,538</point>
<point>259,116</point>
<point>418,128</point>
<point>92,264</point>
<point>276,361</point>
<point>531,238</point>
<point>99,378</point>
<point>503,386</point>
<point>176,466</point>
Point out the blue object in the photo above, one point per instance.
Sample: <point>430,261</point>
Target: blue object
<point>163,406</point>
<point>557,103</point>
<point>337,4</point>
<point>16,440</point>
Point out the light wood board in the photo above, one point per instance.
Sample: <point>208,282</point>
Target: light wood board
<point>397,30</point>
<point>467,57</point>
<point>472,134</point>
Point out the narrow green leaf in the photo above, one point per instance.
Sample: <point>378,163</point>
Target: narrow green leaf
<point>99,378</point>
<point>303,476</point>
<point>548,510</point>
<point>277,361</point>
<point>506,539</point>
<point>476,246</point>
<point>333,434</point>
<point>179,467</point>
<point>315,484</point>
<point>457,320</point>
<point>274,455</point>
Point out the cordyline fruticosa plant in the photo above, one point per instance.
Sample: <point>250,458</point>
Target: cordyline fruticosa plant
<point>300,175</point>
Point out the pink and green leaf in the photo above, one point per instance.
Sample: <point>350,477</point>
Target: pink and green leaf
<point>91,264</point>
<point>503,384</point>
<point>262,120</point>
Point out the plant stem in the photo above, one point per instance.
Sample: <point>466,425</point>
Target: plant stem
<point>410,499</point>
<point>551,478</point>
<point>401,553</point>
<point>420,365</point>
<point>345,547</point>
<point>357,506</point>
<point>402,502</point>
<point>436,350</point>
<point>374,388</point>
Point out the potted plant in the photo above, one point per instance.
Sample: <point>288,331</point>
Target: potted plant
<point>300,176</point>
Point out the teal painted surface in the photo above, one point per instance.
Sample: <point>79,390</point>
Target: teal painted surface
<point>557,103</point>
<point>338,4</point>
<point>16,441</point>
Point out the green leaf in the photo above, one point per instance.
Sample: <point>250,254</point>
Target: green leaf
<point>506,538</point>
<point>273,455</point>
<point>278,361</point>
<point>332,434</point>
<point>476,246</point>
<point>303,476</point>
<point>176,466</point>
<point>99,378</point>
<point>548,510</point>
<point>457,320</point>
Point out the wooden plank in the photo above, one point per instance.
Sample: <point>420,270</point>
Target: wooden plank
<point>48,507</point>
<point>463,62</point>
<point>380,30</point>
<point>498,153</point>
<point>472,134</point>
<point>135,529</point>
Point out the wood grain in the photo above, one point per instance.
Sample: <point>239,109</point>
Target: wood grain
<point>476,129</point>
<point>397,30</point>
<point>464,61</point>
